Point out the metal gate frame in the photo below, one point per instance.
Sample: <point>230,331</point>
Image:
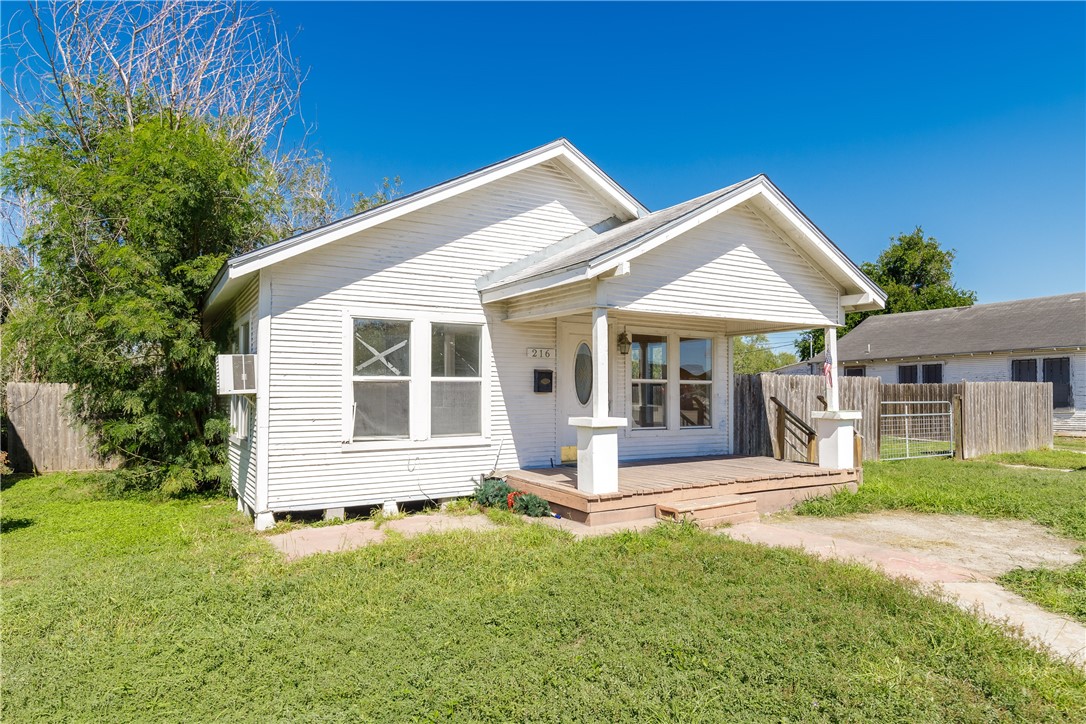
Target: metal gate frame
<point>924,429</point>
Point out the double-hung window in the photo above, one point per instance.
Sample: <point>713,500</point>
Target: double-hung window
<point>456,380</point>
<point>671,375</point>
<point>695,382</point>
<point>240,405</point>
<point>414,380</point>
<point>648,374</point>
<point>381,378</point>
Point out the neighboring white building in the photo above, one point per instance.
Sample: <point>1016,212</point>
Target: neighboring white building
<point>402,352</point>
<point>1029,340</point>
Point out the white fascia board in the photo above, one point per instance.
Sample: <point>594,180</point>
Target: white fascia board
<point>535,284</point>
<point>762,187</point>
<point>563,149</point>
<point>820,243</point>
<point>588,171</point>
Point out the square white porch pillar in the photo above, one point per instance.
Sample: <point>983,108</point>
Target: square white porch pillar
<point>597,453</point>
<point>835,433</point>
<point>835,429</point>
<point>597,436</point>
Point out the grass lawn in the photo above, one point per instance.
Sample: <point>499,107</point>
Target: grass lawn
<point>1063,442</point>
<point>941,485</point>
<point>135,610</point>
<point>1052,498</point>
<point>1061,459</point>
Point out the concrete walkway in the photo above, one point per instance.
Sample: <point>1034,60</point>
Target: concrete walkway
<point>970,590</point>
<point>303,542</point>
<point>335,538</point>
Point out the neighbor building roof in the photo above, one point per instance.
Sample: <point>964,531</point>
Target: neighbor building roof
<point>1057,322</point>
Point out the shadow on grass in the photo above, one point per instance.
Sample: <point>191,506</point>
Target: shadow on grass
<point>11,479</point>
<point>7,525</point>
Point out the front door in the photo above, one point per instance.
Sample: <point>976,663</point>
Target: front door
<point>573,379</point>
<point>1058,372</point>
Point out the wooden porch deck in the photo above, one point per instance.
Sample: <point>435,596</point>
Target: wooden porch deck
<point>771,484</point>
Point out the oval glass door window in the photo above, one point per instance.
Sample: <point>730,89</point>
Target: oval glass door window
<point>582,373</point>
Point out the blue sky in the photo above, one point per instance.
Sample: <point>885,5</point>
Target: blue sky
<point>967,119</point>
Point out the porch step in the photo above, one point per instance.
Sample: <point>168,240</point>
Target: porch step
<point>711,512</point>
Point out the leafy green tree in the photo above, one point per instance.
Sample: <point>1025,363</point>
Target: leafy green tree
<point>388,190</point>
<point>138,223</point>
<point>143,149</point>
<point>915,272</point>
<point>753,354</point>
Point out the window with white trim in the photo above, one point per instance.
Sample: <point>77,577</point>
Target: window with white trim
<point>381,378</point>
<point>456,379</point>
<point>414,380</point>
<point>671,375</point>
<point>648,380</point>
<point>241,405</point>
<point>695,382</point>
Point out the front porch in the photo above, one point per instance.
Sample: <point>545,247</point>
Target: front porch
<point>709,490</point>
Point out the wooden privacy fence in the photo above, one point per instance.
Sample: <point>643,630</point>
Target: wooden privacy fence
<point>1005,417</point>
<point>40,436</point>
<point>993,417</point>
<point>755,414</point>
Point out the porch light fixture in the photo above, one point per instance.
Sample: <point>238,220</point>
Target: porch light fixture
<point>623,343</point>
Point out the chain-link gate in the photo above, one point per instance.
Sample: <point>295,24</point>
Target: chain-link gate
<point>916,430</point>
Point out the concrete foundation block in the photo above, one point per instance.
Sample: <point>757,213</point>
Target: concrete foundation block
<point>265,520</point>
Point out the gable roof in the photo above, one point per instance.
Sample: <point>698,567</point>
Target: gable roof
<point>584,258</point>
<point>235,273</point>
<point>1056,322</point>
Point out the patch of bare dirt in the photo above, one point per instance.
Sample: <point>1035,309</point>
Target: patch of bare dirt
<point>989,547</point>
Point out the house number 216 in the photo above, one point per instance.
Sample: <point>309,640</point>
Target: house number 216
<point>540,353</point>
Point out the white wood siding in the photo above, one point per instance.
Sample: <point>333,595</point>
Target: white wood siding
<point>735,266</point>
<point>241,454</point>
<point>423,262</point>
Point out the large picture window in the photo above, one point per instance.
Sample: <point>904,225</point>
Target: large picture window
<point>381,378</point>
<point>456,380</point>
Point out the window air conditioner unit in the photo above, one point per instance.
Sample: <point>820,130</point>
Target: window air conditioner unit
<point>235,374</point>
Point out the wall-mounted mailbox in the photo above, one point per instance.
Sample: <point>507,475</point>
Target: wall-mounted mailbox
<point>544,380</point>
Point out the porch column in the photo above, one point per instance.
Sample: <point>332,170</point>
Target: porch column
<point>833,399</point>
<point>597,436</point>
<point>600,361</point>
<point>835,428</point>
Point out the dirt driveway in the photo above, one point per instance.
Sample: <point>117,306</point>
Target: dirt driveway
<point>989,547</point>
<point>959,555</point>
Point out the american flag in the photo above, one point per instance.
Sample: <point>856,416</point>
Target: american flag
<point>827,368</point>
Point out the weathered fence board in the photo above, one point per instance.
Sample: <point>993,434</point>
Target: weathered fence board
<point>1006,417</point>
<point>40,436</point>
<point>996,416</point>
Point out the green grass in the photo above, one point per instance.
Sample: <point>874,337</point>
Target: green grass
<point>137,610</point>
<point>895,446</point>
<point>1060,459</point>
<point>941,485</point>
<point>1061,442</point>
<point>1062,590</point>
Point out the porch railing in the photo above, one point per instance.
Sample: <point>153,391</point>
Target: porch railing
<point>794,433</point>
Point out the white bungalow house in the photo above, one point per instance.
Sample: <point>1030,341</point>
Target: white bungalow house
<point>1042,339</point>
<point>494,320</point>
